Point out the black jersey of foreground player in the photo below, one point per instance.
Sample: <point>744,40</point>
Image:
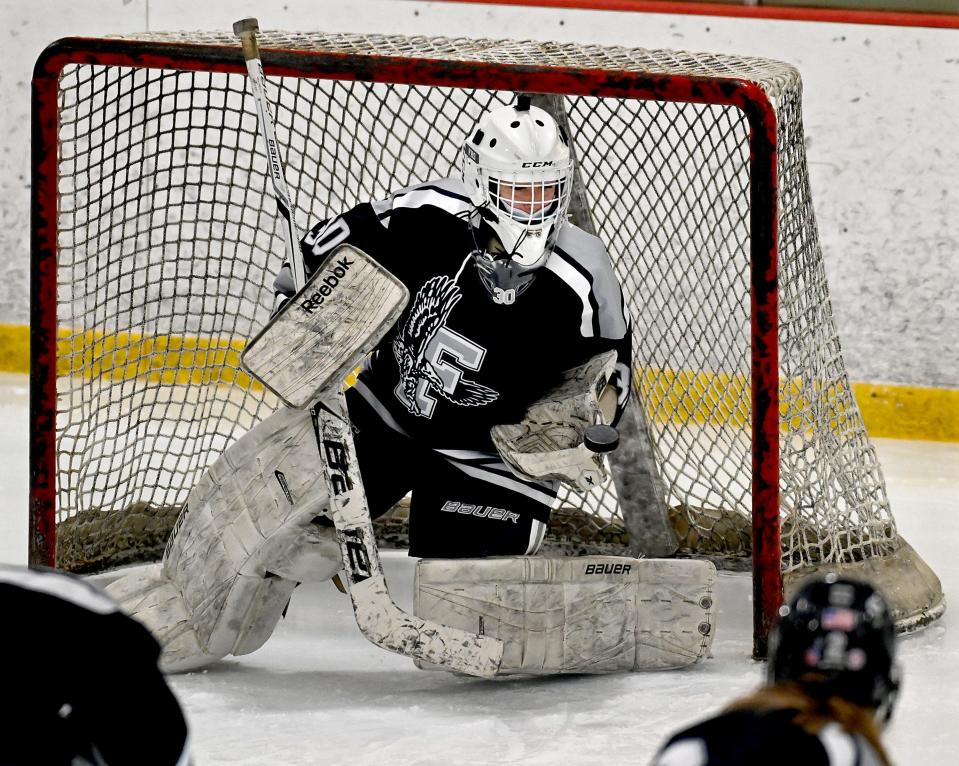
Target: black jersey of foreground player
<point>832,686</point>
<point>778,735</point>
<point>109,705</point>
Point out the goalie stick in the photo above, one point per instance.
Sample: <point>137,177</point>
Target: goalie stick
<point>379,619</point>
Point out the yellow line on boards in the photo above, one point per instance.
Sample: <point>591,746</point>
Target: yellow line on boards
<point>909,412</point>
<point>888,410</point>
<point>14,348</point>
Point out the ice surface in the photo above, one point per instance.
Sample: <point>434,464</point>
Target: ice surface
<point>318,693</point>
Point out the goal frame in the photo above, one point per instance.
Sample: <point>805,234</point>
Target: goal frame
<point>746,95</point>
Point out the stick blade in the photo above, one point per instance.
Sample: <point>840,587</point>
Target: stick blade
<point>429,643</point>
<point>323,333</point>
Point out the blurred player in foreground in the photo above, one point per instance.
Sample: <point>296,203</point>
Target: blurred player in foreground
<point>109,705</point>
<point>832,684</point>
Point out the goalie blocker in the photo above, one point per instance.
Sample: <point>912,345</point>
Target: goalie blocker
<point>590,614</point>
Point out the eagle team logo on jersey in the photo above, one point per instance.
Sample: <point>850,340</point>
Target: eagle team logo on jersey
<point>426,349</point>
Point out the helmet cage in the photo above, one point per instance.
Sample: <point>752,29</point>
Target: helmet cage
<point>525,208</point>
<point>532,200</point>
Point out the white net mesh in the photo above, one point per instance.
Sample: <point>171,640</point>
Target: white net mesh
<point>168,242</point>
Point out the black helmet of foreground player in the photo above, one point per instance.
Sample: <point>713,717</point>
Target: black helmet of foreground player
<point>517,168</point>
<point>837,639</point>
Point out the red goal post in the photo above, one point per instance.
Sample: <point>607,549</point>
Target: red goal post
<point>87,120</point>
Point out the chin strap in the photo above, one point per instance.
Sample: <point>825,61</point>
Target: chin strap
<point>487,240</point>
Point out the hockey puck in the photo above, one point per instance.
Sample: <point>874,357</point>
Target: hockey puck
<point>601,438</point>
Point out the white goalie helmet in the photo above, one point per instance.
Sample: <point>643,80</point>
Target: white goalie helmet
<point>518,170</point>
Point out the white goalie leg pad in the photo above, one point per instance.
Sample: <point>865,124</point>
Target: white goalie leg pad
<point>245,537</point>
<point>589,614</point>
<point>253,606</point>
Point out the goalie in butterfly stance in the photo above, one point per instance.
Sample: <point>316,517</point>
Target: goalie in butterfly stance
<point>832,685</point>
<point>505,295</point>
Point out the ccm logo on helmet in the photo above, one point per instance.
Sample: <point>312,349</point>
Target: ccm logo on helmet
<point>607,568</point>
<point>538,164</point>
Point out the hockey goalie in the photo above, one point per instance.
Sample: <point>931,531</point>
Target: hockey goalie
<point>503,376</point>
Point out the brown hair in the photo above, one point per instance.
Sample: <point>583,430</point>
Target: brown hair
<point>814,713</point>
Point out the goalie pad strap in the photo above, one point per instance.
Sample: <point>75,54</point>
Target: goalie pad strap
<point>589,614</point>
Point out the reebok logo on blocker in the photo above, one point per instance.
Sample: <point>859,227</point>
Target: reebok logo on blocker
<point>327,285</point>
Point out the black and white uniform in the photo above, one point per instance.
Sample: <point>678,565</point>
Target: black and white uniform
<point>759,738</point>
<point>81,683</point>
<point>457,363</point>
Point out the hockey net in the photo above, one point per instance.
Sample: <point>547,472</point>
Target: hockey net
<point>156,241</point>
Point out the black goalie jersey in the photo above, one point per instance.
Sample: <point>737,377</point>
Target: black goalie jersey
<point>457,363</point>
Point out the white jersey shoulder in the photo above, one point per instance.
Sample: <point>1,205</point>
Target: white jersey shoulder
<point>846,749</point>
<point>65,587</point>
<point>448,194</point>
<point>581,261</point>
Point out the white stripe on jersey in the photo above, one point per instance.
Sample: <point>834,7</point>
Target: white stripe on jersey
<point>489,466</point>
<point>537,532</point>
<point>62,586</point>
<point>470,454</point>
<point>487,461</point>
<point>582,262</point>
<point>495,465</point>
<point>514,485</point>
<point>447,194</point>
<point>839,745</point>
<point>620,379</point>
<point>364,390</point>
<point>581,287</point>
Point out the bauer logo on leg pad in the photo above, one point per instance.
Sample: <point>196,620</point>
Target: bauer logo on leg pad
<point>595,614</point>
<point>596,569</point>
